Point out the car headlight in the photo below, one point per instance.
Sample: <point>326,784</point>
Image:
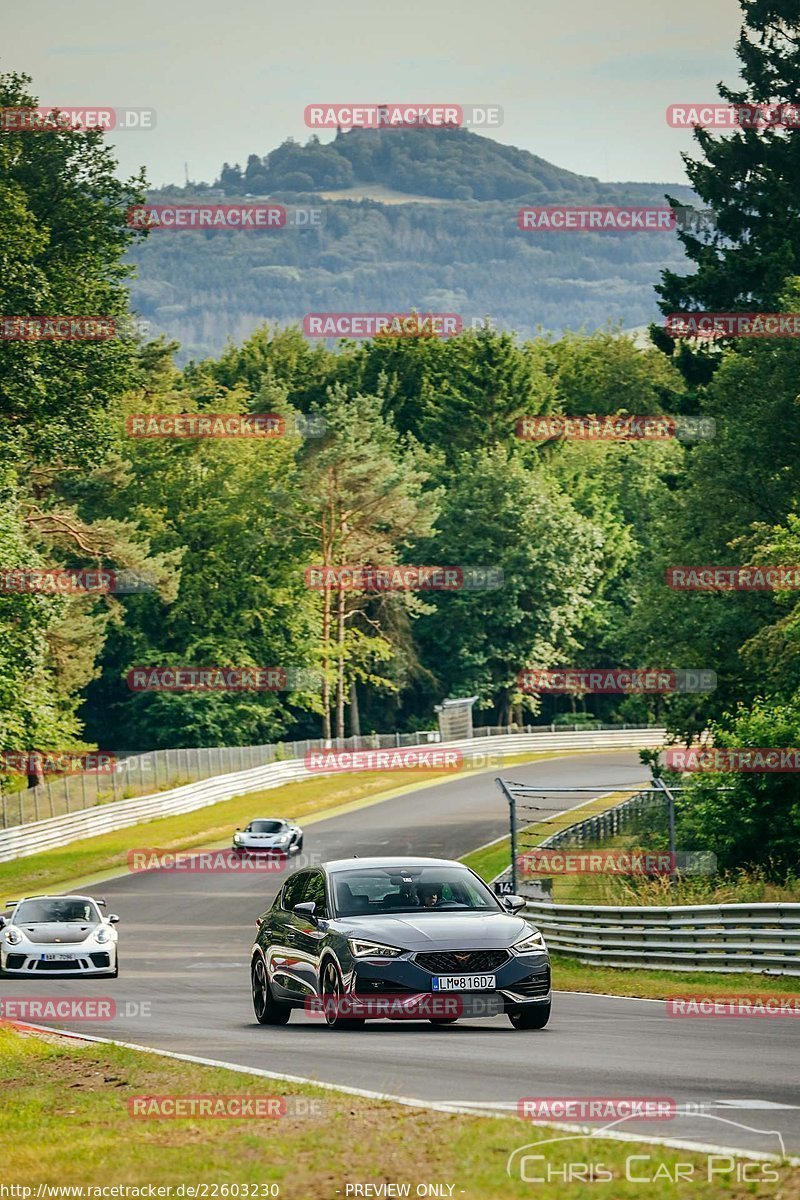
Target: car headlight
<point>103,934</point>
<point>362,949</point>
<point>284,838</point>
<point>237,837</point>
<point>530,942</point>
<point>13,937</point>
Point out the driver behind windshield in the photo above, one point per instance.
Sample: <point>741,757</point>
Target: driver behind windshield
<point>429,895</point>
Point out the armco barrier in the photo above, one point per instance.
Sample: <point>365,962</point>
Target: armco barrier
<point>23,840</point>
<point>726,938</point>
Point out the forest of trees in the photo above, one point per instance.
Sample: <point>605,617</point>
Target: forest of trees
<point>414,460</point>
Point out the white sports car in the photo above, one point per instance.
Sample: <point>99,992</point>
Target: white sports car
<point>58,935</point>
<point>270,835</point>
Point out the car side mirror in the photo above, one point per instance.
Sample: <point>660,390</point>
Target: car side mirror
<point>306,908</point>
<point>113,919</point>
<point>514,903</point>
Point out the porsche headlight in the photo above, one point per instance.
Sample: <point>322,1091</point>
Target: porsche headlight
<point>237,837</point>
<point>103,934</point>
<point>362,949</point>
<point>13,937</point>
<point>284,838</point>
<point>529,943</point>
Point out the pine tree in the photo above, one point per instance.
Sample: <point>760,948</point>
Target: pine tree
<point>751,180</point>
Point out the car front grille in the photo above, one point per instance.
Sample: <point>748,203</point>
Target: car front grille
<point>100,960</point>
<point>72,965</point>
<point>15,962</point>
<point>460,962</point>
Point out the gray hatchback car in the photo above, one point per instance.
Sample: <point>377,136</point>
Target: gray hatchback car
<point>405,938</point>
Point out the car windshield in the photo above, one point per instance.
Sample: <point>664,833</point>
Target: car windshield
<point>376,891</point>
<point>266,826</point>
<point>33,912</point>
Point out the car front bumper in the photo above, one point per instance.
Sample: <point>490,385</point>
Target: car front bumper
<point>28,963</point>
<point>523,980</point>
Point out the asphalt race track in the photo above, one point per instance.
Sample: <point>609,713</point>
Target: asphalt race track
<point>184,951</point>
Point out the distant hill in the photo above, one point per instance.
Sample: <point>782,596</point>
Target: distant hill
<point>454,246</point>
<point>450,164</point>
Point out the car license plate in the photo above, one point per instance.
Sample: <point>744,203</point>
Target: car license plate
<point>462,983</point>
<point>57,957</point>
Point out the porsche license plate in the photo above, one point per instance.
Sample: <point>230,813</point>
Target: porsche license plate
<point>57,957</point>
<point>462,983</point>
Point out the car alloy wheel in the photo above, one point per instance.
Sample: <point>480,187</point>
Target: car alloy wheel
<point>332,992</point>
<point>266,1008</point>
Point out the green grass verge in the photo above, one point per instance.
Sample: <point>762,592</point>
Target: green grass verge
<point>106,855</point>
<point>66,1121</point>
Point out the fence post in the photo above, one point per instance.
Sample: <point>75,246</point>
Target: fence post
<point>512,813</point>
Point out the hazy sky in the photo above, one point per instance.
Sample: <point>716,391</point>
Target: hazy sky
<point>583,83</point>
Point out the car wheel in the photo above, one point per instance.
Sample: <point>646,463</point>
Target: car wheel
<point>530,1018</point>
<point>332,991</point>
<point>267,1009</point>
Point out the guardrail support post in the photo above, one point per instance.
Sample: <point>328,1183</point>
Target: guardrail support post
<point>662,787</point>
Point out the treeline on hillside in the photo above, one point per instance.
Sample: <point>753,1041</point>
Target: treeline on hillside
<point>452,164</point>
<point>205,289</point>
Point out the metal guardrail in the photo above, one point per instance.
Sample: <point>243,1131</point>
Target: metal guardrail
<point>156,770</point>
<point>23,840</point>
<point>143,774</point>
<point>725,938</point>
